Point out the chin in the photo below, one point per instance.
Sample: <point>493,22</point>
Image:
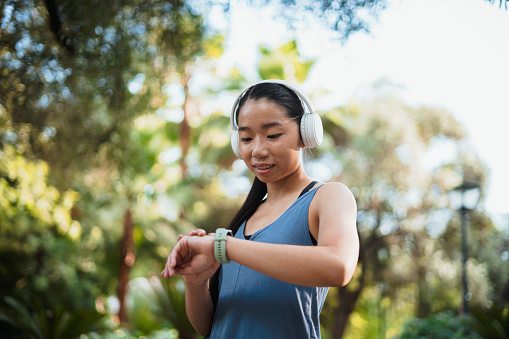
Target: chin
<point>263,180</point>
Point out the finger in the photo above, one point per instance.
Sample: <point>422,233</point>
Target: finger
<point>171,261</point>
<point>165,272</point>
<point>199,232</point>
<point>177,255</point>
<point>191,233</point>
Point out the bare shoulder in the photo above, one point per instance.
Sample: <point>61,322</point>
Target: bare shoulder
<point>334,193</point>
<point>333,213</point>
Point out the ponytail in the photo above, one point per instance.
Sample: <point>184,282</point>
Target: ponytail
<point>253,200</point>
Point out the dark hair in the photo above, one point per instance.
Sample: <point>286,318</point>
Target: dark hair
<point>291,102</point>
<point>277,93</point>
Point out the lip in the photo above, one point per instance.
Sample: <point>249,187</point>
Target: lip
<point>263,168</point>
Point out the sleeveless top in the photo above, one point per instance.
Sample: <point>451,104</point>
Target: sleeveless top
<point>254,305</point>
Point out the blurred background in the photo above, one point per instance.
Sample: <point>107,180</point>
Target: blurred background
<point>115,139</point>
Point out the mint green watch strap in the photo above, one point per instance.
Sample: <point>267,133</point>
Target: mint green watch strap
<point>220,245</point>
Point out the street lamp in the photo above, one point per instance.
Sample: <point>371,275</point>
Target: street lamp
<point>464,198</point>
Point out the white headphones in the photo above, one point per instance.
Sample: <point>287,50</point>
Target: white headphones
<point>311,128</point>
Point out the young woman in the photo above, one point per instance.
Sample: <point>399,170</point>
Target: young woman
<point>292,239</point>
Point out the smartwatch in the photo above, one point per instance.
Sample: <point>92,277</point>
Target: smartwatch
<point>220,245</point>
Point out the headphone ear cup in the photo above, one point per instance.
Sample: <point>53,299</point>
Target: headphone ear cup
<point>235,144</point>
<point>311,130</point>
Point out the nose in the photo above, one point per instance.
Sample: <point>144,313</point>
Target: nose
<point>260,150</point>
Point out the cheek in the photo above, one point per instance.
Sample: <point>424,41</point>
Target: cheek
<point>291,152</point>
<point>245,150</point>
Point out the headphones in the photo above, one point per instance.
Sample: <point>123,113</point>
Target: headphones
<point>311,128</point>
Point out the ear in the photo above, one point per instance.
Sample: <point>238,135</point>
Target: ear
<point>301,143</point>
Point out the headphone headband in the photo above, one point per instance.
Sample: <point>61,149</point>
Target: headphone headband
<point>307,103</point>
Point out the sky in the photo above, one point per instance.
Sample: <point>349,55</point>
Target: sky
<point>452,54</point>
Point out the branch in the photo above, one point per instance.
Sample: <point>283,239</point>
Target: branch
<point>56,26</point>
<point>501,2</point>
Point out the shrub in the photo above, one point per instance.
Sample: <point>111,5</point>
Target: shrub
<point>438,326</point>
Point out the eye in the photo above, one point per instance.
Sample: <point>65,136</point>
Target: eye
<point>273,136</point>
<point>245,139</point>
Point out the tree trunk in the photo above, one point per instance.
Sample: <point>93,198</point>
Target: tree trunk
<point>423,300</point>
<point>347,301</point>
<point>55,25</point>
<point>184,128</point>
<point>187,335</point>
<point>347,298</point>
<point>126,261</point>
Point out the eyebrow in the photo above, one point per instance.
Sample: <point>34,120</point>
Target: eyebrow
<point>265,126</point>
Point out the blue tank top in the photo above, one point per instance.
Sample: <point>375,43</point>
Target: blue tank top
<point>254,305</point>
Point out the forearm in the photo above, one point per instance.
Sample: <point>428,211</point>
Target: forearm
<point>299,265</point>
<point>199,307</point>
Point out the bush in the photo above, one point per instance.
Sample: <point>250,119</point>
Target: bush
<point>438,326</point>
<point>33,320</point>
<point>492,323</point>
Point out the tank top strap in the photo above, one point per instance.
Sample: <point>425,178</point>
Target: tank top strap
<point>308,187</point>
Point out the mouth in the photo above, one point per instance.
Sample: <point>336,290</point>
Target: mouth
<point>264,167</point>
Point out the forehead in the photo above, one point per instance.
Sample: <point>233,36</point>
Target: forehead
<point>261,111</point>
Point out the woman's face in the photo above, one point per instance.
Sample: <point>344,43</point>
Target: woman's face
<point>269,140</point>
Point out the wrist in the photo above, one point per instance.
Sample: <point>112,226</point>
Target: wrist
<point>220,253</point>
<point>196,284</point>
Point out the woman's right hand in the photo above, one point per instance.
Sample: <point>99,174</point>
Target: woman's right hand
<point>199,232</point>
<point>205,275</point>
<point>192,257</point>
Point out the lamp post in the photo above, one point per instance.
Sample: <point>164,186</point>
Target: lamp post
<point>464,199</point>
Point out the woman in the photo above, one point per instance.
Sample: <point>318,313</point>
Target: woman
<point>292,239</point>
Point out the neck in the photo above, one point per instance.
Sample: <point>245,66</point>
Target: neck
<point>290,185</point>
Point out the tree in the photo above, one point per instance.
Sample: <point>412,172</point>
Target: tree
<point>343,17</point>
<point>104,107</point>
<point>284,62</point>
<point>72,83</point>
<point>379,145</point>
<point>501,2</point>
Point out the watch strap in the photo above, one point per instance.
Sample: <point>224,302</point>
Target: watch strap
<point>220,245</point>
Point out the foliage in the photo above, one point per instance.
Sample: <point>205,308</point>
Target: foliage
<point>501,2</point>
<point>377,149</point>
<point>40,251</point>
<point>142,310</point>
<point>285,62</point>
<point>155,304</point>
<point>343,17</point>
<point>171,301</point>
<point>438,326</point>
<point>103,114</point>
<point>491,323</point>
<point>113,68</point>
<point>39,240</point>
<point>124,333</point>
<point>31,319</point>
<point>72,84</point>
